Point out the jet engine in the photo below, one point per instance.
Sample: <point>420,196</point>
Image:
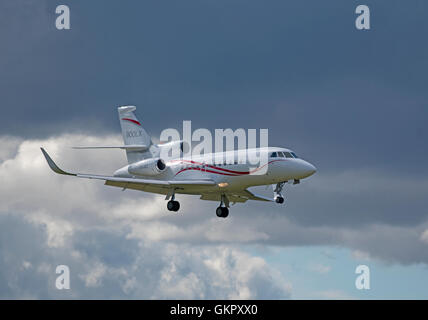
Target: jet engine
<point>148,167</point>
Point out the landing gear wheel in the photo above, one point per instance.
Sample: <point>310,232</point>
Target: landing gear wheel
<point>279,200</point>
<point>222,212</point>
<point>173,205</point>
<point>225,212</point>
<point>176,205</point>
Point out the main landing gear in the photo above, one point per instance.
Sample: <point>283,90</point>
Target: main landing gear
<point>172,205</point>
<point>277,191</point>
<point>223,211</point>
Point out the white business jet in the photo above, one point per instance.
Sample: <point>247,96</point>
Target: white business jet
<point>213,179</point>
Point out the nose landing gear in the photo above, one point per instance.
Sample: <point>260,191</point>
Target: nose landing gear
<point>277,189</point>
<point>279,200</point>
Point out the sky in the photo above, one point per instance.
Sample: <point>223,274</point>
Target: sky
<point>352,102</point>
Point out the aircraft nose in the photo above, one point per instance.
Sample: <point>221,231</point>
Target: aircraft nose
<point>308,169</point>
<point>311,169</point>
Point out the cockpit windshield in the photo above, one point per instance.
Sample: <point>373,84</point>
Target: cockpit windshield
<point>284,154</point>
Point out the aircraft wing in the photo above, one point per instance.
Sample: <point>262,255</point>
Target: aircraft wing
<point>130,183</point>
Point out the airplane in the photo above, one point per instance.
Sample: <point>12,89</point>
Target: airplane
<point>221,181</point>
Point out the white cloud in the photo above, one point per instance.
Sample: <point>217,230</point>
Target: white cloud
<point>134,247</point>
<point>9,147</point>
<point>94,277</point>
<point>71,211</point>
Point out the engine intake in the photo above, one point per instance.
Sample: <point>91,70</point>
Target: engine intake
<point>148,167</point>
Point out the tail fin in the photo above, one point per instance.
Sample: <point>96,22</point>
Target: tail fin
<point>133,134</point>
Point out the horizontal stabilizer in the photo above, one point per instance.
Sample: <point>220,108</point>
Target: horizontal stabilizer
<point>127,147</point>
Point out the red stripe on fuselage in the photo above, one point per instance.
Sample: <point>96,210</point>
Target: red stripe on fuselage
<point>213,167</point>
<point>210,171</point>
<point>231,172</point>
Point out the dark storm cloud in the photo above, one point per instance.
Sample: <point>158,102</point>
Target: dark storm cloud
<point>341,97</point>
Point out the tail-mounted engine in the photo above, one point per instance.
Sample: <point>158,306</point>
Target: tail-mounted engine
<point>148,167</point>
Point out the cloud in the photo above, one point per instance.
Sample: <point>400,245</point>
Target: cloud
<point>114,241</point>
<point>104,264</point>
<point>117,245</point>
<point>9,147</point>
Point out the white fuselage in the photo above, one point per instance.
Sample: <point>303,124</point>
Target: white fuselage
<point>233,175</point>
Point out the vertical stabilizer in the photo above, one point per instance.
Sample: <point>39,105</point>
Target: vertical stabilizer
<point>133,134</point>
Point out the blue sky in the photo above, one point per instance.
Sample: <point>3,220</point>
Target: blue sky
<point>327,272</point>
<point>352,102</point>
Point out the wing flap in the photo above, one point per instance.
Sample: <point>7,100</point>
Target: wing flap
<point>235,196</point>
<point>253,196</point>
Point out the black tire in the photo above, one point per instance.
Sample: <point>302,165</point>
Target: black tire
<point>170,205</point>
<point>279,200</point>
<point>225,212</point>
<point>222,212</point>
<point>176,206</point>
